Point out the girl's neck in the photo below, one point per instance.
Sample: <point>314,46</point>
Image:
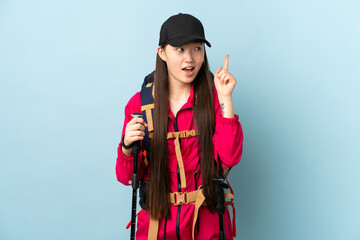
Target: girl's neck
<point>179,91</point>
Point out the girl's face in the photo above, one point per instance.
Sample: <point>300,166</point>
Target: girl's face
<point>184,62</point>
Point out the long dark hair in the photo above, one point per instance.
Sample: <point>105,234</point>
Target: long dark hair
<point>204,117</point>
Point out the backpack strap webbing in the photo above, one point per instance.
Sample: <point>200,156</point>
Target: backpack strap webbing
<point>177,136</point>
<point>147,109</point>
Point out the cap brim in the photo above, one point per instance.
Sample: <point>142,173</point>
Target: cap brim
<point>179,41</point>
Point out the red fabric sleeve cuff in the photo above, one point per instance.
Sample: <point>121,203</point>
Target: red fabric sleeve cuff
<point>127,162</point>
<point>224,120</point>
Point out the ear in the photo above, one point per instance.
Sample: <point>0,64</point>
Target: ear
<point>161,52</point>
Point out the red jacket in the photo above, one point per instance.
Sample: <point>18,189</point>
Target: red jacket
<point>227,139</point>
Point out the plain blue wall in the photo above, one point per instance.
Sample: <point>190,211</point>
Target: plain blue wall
<point>67,69</point>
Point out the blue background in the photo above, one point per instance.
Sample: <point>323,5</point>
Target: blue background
<point>67,69</point>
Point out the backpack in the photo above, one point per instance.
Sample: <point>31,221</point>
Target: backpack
<point>147,110</point>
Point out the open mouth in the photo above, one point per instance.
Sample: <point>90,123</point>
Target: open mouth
<point>188,70</point>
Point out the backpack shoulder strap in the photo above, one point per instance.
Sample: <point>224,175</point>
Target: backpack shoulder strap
<point>147,107</point>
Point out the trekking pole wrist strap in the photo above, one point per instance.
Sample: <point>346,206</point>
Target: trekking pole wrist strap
<point>127,147</point>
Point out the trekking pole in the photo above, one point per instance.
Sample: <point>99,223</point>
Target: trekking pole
<point>135,181</point>
<point>219,185</point>
<point>220,204</point>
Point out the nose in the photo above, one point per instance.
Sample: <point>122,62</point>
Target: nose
<point>188,56</point>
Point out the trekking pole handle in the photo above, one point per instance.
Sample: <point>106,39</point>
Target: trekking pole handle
<point>136,147</point>
<point>136,150</point>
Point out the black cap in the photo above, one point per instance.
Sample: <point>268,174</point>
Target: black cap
<point>180,29</point>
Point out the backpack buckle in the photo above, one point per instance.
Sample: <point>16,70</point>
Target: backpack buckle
<point>180,198</point>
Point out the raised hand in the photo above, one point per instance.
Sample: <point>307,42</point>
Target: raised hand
<point>224,81</point>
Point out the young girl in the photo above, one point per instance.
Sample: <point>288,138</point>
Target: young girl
<point>192,126</point>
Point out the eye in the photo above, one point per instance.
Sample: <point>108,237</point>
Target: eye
<point>180,49</point>
<point>197,48</point>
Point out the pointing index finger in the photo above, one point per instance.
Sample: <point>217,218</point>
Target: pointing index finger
<point>226,62</point>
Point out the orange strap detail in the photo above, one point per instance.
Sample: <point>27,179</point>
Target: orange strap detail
<point>182,134</point>
<point>153,91</point>
<point>180,163</point>
<point>149,120</point>
<point>146,162</point>
<point>226,170</point>
<point>177,135</point>
<point>129,224</point>
<point>177,198</point>
<point>153,229</point>
<point>146,107</point>
<point>200,198</point>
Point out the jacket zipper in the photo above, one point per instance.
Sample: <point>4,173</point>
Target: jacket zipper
<point>176,128</point>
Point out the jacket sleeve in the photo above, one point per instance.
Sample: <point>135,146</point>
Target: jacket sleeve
<point>228,137</point>
<point>124,164</point>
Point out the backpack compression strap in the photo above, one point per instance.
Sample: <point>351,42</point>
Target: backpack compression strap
<point>177,135</point>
